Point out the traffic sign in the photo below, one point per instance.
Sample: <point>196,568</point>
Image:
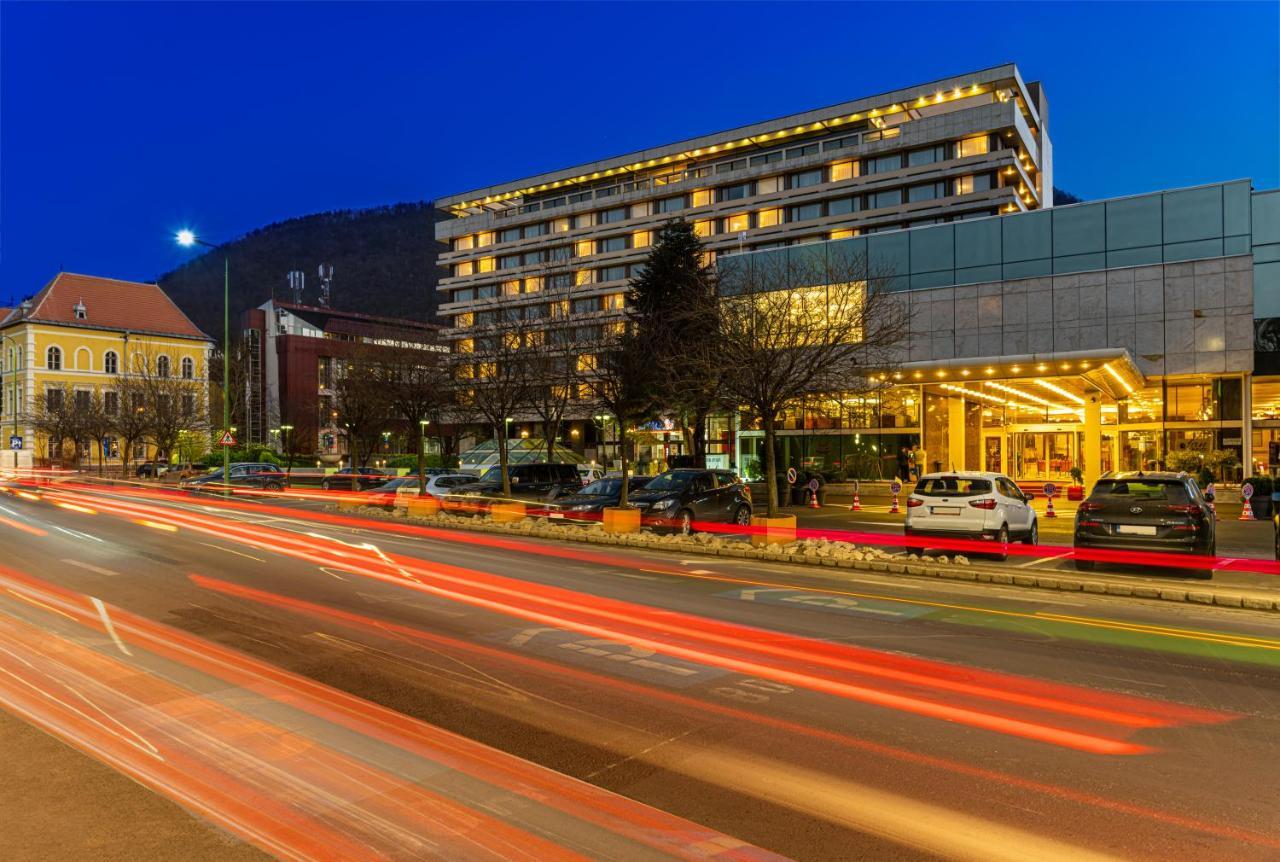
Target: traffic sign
<point>1050,489</point>
<point>15,442</point>
<point>227,439</point>
<point>1246,491</point>
<point>813,484</point>
<point>791,475</point>
<point>895,487</point>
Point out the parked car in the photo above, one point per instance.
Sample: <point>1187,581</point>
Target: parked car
<point>536,483</point>
<point>588,504</point>
<point>960,505</point>
<point>680,499</point>
<point>267,477</point>
<point>437,486</point>
<point>366,478</point>
<point>589,474</point>
<point>1139,511</point>
<point>152,469</point>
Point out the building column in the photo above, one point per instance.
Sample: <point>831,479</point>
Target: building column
<point>954,457</point>
<point>1246,425</point>
<point>1092,439</point>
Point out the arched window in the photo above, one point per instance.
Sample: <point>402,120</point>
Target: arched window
<point>53,359</point>
<point>111,362</point>
<point>162,366</point>
<point>188,368</point>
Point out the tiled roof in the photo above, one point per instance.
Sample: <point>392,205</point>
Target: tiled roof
<point>109,303</point>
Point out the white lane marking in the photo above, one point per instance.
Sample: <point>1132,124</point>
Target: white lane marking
<point>89,567</point>
<point>637,577</point>
<point>76,533</point>
<point>106,621</point>
<point>1038,560</point>
<point>230,551</point>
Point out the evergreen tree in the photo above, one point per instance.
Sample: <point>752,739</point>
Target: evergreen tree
<point>674,310</point>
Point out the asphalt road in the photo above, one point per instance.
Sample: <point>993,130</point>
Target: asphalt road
<point>815,715</point>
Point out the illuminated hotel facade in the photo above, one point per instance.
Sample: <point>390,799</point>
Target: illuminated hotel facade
<point>1100,336</point>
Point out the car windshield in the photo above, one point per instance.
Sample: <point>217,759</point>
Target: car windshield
<point>952,486</point>
<point>669,482</point>
<point>401,482</point>
<point>493,474</point>
<point>603,488</point>
<point>1139,490</point>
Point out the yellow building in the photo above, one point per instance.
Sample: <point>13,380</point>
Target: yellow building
<point>82,335</point>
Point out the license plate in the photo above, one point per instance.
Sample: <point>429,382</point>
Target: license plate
<point>555,515</point>
<point>1132,530</point>
<point>944,510</point>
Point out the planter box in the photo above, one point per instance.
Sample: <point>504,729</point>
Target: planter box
<point>422,507</point>
<point>505,513</point>
<point>618,520</point>
<point>1075,492</point>
<point>773,531</point>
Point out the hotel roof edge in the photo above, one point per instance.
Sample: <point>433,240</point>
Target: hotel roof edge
<point>992,73</point>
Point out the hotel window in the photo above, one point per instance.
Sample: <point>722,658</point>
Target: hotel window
<point>844,233</point>
<point>561,252</point>
<point>535,229</point>
<point>614,215</point>
<point>670,205</point>
<point>729,167</point>
<point>612,273</point>
<point>553,203</point>
<point>533,284</point>
<point>511,288</point>
<point>964,185</point>
<point>890,198</point>
<point>806,150</point>
<point>804,179</point>
<point>465,268</point>
<point>560,225</point>
<point>766,159</point>
<point>579,197</point>
<point>511,234</point>
<point>702,228</point>
<point>586,306</point>
<point>639,210</point>
<point>464,243</point>
<point>560,281</point>
<point>926,192</point>
<point>840,143</point>
<point>486,291</point>
<point>700,198</point>
<point>464,295</point>
<point>882,135</point>
<point>614,243</point>
<point>83,398</point>
<point>641,239</point>
<point>464,345</point>
<point>884,164</point>
<point>843,206</point>
<point>926,156</point>
<point>805,212</point>
<point>974,146</point>
<point>581,277</point>
<point>583,248</point>
<point>768,218</point>
<point>484,238</point>
<point>737,222</point>
<point>733,193</point>
<point>508,261</point>
<point>615,302</point>
<point>843,171</point>
<point>559,309</point>
<point>485,264</point>
<point>584,220</point>
<point>768,185</point>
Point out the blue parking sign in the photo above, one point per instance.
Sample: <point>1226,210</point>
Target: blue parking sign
<point>15,442</point>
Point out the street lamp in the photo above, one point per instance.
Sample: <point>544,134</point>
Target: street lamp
<point>186,239</point>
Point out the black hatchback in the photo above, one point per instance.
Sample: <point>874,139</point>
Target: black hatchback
<point>1147,512</point>
<point>681,499</point>
<point>588,504</point>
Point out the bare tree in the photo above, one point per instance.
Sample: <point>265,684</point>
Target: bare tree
<point>415,378</point>
<point>620,381</point>
<point>492,379</point>
<point>793,326</point>
<point>553,374</point>
<point>130,422</point>
<point>175,404</point>
<point>56,417</point>
<point>97,422</point>
<point>362,405</point>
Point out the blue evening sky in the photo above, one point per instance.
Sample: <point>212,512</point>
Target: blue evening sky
<point>122,123</point>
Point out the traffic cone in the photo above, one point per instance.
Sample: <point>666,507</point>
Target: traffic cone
<point>1246,512</point>
<point>813,500</point>
<point>894,510</point>
<point>857,504</point>
<point>1048,512</point>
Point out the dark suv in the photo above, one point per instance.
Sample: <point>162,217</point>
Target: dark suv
<point>1147,512</point>
<point>683,498</point>
<point>267,477</point>
<point>535,483</point>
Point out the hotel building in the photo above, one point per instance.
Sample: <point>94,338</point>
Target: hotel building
<point>1100,336</point>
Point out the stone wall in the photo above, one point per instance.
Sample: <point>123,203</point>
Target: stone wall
<point>1192,317</point>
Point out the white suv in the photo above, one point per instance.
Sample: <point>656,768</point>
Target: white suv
<point>973,506</point>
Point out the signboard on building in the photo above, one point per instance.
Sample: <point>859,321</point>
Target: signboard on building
<point>15,442</point>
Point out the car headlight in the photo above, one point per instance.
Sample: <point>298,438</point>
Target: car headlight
<point>582,507</point>
<point>664,504</point>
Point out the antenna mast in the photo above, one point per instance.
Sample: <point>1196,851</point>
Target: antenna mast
<point>297,284</point>
<point>326,283</point>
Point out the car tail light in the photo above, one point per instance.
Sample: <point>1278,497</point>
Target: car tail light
<point>988,504</point>
<point>1086,506</point>
<point>912,502</point>
<point>1189,509</point>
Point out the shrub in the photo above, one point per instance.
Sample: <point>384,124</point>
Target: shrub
<point>1204,478</point>
<point>1261,485</point>
<point>410,462</point>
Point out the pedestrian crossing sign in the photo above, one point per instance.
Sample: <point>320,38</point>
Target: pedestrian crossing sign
<point>227,439</point>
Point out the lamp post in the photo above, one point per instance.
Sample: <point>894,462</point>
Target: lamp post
<point>422,456</point>
<point>286,439</point>
<point>186,239</point>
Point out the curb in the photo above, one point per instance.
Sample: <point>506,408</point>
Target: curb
<point>910,568</point>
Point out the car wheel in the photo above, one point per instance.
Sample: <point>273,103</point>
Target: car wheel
<point>1033,535</point>
<point>1084,565</point>
<point>685,522</point>
<point>742,517</point>
<point>324,486</point>
<point>272,486</point>
<point>1002,539</point>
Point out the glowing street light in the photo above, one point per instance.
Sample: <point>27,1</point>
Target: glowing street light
<point>187,238</point>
